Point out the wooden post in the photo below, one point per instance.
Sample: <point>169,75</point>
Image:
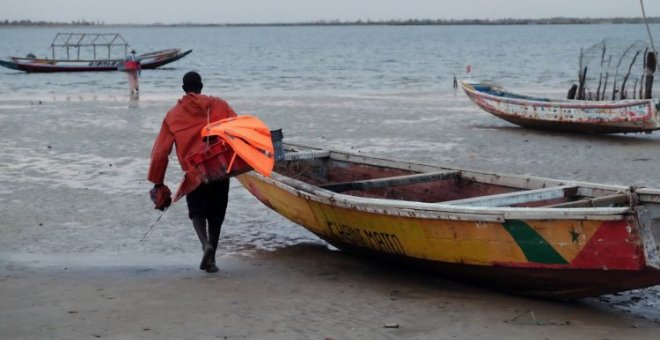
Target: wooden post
<point>600,76</point>
<point>651,63</point>
<point>583,78</point>
<point>624,93</point>
<point>571,92</point>
<point>641,81</point>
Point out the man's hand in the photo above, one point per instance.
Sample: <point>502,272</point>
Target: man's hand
<point>161,196</point>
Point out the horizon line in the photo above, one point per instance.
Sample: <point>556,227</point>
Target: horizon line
<point>338,22</point>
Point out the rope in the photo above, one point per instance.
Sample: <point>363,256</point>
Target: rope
<point>231,163</point>
<point>208,121</point>
<point>648,30</point>
<point>153,224</point>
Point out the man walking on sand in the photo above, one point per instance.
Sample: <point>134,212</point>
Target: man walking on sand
<point>207,202</point>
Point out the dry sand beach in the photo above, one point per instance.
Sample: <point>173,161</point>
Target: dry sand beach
<point>74,208</point>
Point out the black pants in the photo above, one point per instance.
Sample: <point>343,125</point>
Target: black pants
<point>209,201</point>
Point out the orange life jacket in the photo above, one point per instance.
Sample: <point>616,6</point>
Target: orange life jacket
<point>249,138</point>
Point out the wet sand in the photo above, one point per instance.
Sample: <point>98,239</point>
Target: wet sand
<point>298,292</point>
<point>74,208</point>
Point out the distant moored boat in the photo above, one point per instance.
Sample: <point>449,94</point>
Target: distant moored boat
<point>87,52</point>
<point>593,117</point>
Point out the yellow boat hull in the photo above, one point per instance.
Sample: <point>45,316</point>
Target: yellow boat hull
<point>524,234</point>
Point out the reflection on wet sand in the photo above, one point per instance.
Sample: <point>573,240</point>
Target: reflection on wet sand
<point>134,100</point>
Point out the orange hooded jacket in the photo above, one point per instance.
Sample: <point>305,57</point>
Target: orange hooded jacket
<point>182,126</point>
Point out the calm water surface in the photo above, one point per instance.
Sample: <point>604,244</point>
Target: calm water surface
<point>304,60</point>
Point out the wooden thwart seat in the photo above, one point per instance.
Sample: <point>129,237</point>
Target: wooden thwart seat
<point>594,202</point>
<point>390,181</point>
<point>295,156</point>
<point>517,197</point>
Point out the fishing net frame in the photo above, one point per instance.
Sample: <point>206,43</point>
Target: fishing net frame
<point>609,71</point>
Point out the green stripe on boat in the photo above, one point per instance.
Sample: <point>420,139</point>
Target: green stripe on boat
<point>533,245</point>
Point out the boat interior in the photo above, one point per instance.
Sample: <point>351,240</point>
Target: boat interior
<point>357,175</point>
<point>496,91</point>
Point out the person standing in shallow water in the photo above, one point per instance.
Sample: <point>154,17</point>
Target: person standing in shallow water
<point>207,202</point>
<point>132,67</point>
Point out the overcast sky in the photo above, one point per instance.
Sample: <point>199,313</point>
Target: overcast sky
<point>266,11</point>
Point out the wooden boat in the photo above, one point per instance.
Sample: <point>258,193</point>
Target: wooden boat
<point>526,235</point>
<point>148,61</point>
<point>593,117</point>
<point>77,47</point>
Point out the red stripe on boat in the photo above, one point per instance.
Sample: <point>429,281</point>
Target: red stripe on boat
<point>613,246</point>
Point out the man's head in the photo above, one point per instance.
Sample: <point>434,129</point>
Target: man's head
<point>192,82</point>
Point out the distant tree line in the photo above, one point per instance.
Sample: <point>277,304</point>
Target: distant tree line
<point>28,22</point>
<point>360,22</point>
<point>421,22</point>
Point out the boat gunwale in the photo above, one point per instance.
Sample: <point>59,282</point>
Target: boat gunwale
<point>438,210</point>
<point>648,195</point>
<point>149,55</point>
<point>469,174</point>
<point>550,102</point>
<point>441,210</point>
<point>466,173</point>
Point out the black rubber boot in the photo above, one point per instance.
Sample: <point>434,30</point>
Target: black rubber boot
<point>200,227</point>
<point>214,237</point>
